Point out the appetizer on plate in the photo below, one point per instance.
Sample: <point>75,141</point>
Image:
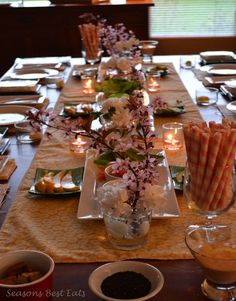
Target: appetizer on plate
<point>57,181</point>
<point>177,175</point>
<point>87,71</point>
<point>82,109</point>
<point>159,68</point>
<point>166,109</point>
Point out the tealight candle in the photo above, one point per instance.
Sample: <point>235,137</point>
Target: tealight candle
<point>172,135</point>
<point>88,82</point>
<point>78,144</point>
<point>153,82</point>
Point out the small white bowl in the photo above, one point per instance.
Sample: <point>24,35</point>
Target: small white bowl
<point>118,182</point>
<point>150,272</point>
<point>108,173</point>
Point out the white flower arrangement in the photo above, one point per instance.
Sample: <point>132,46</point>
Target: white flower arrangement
<point>121,64</point>
<point>121,117</point>
<point>121,46</point>
<point>114,198</point>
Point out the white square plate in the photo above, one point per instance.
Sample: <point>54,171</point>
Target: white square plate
<point>89,208</point>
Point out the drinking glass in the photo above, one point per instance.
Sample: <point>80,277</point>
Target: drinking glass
<point>206,96</point>
<point>91,53</point>
<point>187,61</point>
<point>25,133</point>
<point>210,200</point>
<point>214,249</point>
<point>147,49</point>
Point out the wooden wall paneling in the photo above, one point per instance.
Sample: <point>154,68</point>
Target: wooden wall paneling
<point>48,31</point>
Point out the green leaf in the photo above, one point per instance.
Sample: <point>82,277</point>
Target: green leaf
<point>116,86</point>
<point>134,155</point>
<point>119,95</point>
<point>105,158</point>
<point>158,157</point>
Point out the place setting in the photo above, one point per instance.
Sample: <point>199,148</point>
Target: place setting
<point>28,77</point>
<point>58,63</point>
<point>12,114</point>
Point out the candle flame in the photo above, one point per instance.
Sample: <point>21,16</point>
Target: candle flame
<point>88,84</point>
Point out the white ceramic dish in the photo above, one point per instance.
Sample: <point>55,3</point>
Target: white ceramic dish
<point>221,69</point>
<point>18,86</point>
<point>12,114</point>
<point>217,56</point>
<point>150,272</point>
<point>231,106</point>
<point>108,173</point>
<point>33,73</point>
<point>231,83</point>
<point>88,206</point>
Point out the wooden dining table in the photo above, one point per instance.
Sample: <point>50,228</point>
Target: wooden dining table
<point>182,277</point>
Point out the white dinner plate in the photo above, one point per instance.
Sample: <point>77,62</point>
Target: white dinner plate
<point>19,86</point>
<point>88,205</point>
<point>231,106</point>
<point>33,73</point>
<point>12,114</point>
<point>221,69</point>
<point>218,56</point>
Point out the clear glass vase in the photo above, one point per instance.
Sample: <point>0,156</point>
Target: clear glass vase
<point>128,232</point>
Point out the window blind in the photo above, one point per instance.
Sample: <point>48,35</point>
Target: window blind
<point>193,18</point>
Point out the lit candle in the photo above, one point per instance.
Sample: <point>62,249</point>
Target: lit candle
<point>172,135</point>
<point>78,144</point>
<point>87,84</point>
<point>153,82</point>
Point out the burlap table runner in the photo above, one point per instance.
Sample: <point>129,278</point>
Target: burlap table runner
<point>50,224</point>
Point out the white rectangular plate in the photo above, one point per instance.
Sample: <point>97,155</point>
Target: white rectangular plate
<point>88,205</point>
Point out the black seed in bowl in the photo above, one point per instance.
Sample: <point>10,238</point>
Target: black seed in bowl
<point>126,285</point>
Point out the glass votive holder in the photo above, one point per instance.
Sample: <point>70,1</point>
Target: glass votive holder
<point>187,61</point>
<point>172,135</point>
<point>25,133</point>
<point>79,144</point>
<point>55,81</point>
<point>88,82</point>
<point>153,82</point>
<point>206,96</point>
